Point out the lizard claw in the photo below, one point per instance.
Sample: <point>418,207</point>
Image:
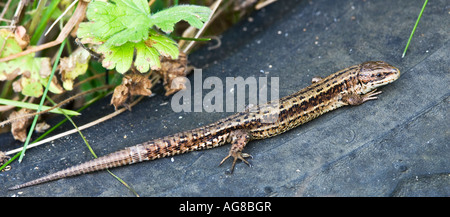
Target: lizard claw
<point>371,95</point>
<point>237,155</point>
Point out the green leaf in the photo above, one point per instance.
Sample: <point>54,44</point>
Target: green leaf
<point>11,46</point>
<point>85,33</point>
<point>119,57</point>
<point>30,88</point>
<point>118,23</point>
<point>147,54</point>
<point>123,27</point>
<point>54,87</point>
<point>165,46</point>
<point>33,71</point>
<point>146,57</point>
<point>194,15</point>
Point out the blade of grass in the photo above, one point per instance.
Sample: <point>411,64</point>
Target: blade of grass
<point>6,88</point>
<point>49,131</point>
<point>63,121</point>
<point>92,150</point>
<point>415,26</point>
<point>10,160</point>
<point>44,21</point>
<point>37,16</point>
<point>190,39</point>
<point>76,127</point>
<point>35,106</point>
<point>123,183</point>
<point>33,124</point>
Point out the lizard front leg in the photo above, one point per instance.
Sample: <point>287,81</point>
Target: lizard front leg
<point>356,99</point>
<point>239,138</point>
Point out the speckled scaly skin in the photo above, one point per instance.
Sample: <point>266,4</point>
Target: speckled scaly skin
<point>351,86</point>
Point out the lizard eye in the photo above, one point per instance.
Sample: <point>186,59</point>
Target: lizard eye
<point>379,75</point>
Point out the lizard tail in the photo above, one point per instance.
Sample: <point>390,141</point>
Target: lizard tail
<point>167,146</point>
<point>115,159</point>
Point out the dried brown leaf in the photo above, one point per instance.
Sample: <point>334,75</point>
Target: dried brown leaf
<point>120,95</point>
<point>3,158</point>
<point>19,128</point>
<point>41,127</point>
<point>172,69</point>
<point>132,85</point>
<point>21,37</point>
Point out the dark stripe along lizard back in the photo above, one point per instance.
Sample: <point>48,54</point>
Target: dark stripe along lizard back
<point>351,86</point>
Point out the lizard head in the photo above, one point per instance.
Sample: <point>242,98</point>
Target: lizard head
<point>374,74</point>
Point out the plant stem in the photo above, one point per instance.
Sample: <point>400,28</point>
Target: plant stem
<point>414,29</point>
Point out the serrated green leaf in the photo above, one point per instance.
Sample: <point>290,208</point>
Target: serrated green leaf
<point>119,57</point>
<point>86,34</point>
<point>147,53</point>
<point>194,15</point>
<point>165,46</point>
<point>118,23</point>
<point>101,14</point>
<point>125,26</point>
<point>146,57</point>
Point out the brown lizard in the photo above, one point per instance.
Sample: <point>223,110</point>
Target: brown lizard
<point>351,86</point>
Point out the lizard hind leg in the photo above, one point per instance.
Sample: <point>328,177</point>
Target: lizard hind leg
<point>239,139</point>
